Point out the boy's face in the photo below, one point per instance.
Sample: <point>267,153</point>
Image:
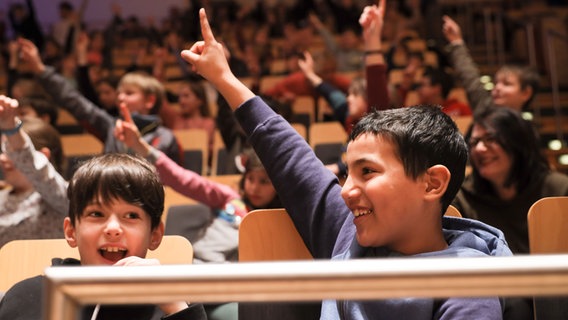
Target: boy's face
<point>387,204</point>
<point>507,91</point>
<point>135,99</point>
<point>107,233</point>
<point>258,188</point>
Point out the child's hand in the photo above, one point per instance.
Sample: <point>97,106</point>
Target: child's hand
<point>30,54</point>
<point>127,132</point>
<point>207,57</point>
<point>13,48</point>
<point>372,20</point>
<point>137,261</point>
<point>167,308</point>
<point>451,30</point>
<point>306,64</point>
<point>8,110</point>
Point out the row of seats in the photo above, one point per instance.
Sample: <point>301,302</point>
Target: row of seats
<point>270,235</point>
<point>195,147</point>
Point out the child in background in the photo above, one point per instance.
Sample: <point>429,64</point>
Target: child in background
<point>38,106</point>
<point>114,205</point>
<point>515,86</point>
<point>347,110</point>
<point>434,87</point>
<point>219,242</point>
<point>509,174</point>
<point>193,111</point>
<point>405,167</point>
<point>32,189</point>
<point>141,93</point>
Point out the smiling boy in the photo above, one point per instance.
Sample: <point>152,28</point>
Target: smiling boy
<point>115,207</point>
<point>405,166</point>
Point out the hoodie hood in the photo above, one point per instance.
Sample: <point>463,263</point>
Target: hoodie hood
<point>146,122</point>
<point>467,237</point>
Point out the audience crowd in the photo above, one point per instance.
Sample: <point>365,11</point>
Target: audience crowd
<point>129,86</point>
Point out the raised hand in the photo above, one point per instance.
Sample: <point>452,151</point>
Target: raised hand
<point>307,67</point>
<point>372,20</point>
<point>8,111</point>
<point>306,64</point>
<point>207,57</point>
<point>30,54</point>
<point>127,132</point>
<point>451,30</point>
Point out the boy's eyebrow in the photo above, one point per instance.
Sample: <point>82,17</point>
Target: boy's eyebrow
<point>360,161</point>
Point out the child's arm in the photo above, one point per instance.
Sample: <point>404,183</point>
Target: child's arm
<point>309,191</point>
<point>372,21</point>
<point>184,181</point>
<point>32,163</point>
<point>64,94</point>
<point>185,310</point>
<point>464,67</point>
<point>334,97</point>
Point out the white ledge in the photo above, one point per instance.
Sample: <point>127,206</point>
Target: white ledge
<point>536,275</point>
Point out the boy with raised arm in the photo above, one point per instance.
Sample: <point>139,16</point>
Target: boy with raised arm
<point>405,166</point>
<point>142,94</point>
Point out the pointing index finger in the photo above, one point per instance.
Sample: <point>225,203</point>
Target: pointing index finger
<point>126,113</point>
<point>382,5</point>
<point>205,27</point>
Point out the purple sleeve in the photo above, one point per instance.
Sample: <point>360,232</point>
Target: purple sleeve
<point>310,193</point>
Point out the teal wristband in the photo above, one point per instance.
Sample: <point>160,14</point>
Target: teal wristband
<point>15,129</point>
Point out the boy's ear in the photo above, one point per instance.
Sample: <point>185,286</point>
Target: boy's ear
<point>437,179</point>
<point>156,236</point>
<point>46,152</point>
<point>69,232</point>
<point>526,93</point>
<point>150,101</point>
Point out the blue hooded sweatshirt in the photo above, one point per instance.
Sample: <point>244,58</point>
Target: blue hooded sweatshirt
<point>312,196</point>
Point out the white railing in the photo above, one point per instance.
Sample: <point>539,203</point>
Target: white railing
<point>69,288</point>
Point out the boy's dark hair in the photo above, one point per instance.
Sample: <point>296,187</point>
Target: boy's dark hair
<point>528,77</point>
<point>423,136</point>
<point>42,107</point>
<point>520,140</point>
<point>439,77</point>
<point>114,176</point>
